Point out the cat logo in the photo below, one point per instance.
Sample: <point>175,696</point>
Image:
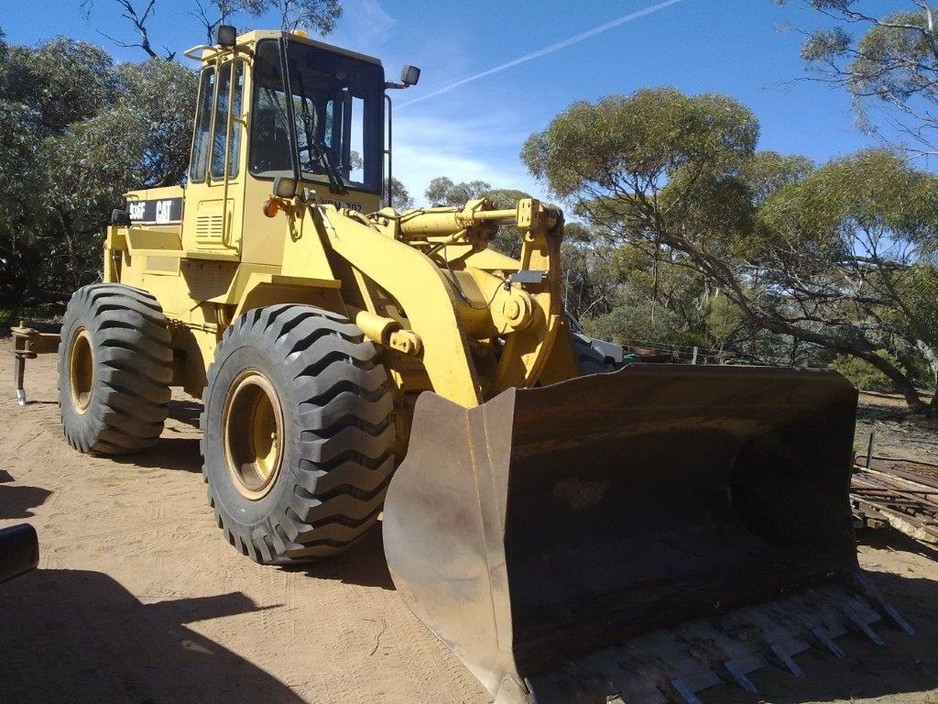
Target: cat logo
<point>164,209</point>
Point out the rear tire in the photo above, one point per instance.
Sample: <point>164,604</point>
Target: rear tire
<point>115,367</point>
<point>296,434</point>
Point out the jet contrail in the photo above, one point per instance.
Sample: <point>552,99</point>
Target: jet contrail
<point>548,50</point>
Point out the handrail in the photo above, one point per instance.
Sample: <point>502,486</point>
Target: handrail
<point>190,53</point>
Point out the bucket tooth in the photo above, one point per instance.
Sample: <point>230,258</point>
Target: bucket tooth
<point>780,656</point>
<point>764,632</point>
<point>683,692</point>
<point>896,618</point>
<point>737,675</point>
<point>679,660</point>
<point>868,589</point>
<point>863,627</point>
<point>824,640</point>
<point>674,666</point>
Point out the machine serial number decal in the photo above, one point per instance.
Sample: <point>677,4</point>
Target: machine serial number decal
<point>351,205</point>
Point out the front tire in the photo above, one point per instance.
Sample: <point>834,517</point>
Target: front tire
<point>296,434</point>
<point>115,368</point>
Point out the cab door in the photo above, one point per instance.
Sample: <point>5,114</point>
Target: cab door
<point>212,221</point>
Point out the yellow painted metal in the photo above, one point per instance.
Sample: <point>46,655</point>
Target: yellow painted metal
<point>527,350</point>
<point>376,328</point>
<point>421,289</point>
<point>422,284</point>
<point>561,363</point>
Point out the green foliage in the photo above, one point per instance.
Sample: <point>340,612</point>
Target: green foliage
<point>768,171</point>
<point>441,191</point>
<point>400,197</point>
<point>589,281</point>
<point>157,102</point>
<point>864,375</point>
<point>637,142</point>
<point>640,324</point>
<point>76,132</point>
<point>650,164</point>
<point>725,321</point>
<point>896,59</point>
<point>64,81</point>
<point>826,45</point>
<point>870,216</point>
<point>919,291</point>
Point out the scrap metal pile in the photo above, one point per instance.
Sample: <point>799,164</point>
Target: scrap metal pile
<point>899,493</point>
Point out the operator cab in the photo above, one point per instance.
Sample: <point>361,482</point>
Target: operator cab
<point>328,104</point>
<point>316,113</point>
<point>278,105</point>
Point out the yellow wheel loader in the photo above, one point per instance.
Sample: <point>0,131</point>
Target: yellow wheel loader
<point>572,531</point>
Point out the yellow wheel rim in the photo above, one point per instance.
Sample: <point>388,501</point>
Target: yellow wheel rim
<point>253,434</point>
<point>81,370</point>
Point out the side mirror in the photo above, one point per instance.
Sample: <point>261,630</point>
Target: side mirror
<point>410,75</point>
<point>284,187</point>
<point>226,35</point>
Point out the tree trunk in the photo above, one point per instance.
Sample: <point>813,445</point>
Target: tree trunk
<point>931,356</point>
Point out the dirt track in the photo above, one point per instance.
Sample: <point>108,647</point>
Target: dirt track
<point>139,600</point>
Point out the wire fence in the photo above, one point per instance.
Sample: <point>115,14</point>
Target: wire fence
<point>692,354</point>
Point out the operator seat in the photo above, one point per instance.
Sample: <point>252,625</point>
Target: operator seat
<point>270,142</point>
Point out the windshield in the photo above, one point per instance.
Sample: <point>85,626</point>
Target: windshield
<point>332,124</point>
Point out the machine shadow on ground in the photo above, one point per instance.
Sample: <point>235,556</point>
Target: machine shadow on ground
<point>79,636</point>
<point>186,411</point>
<point>180,454</point>
<point>19,501</point>
<point>363,564</point>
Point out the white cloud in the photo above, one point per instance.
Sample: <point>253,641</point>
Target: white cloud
<point>365,27</point>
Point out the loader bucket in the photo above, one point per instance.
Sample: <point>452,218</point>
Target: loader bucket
<point>551,522</point>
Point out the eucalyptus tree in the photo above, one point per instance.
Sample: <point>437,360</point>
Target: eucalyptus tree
<point>78,131</point>
<point>887,61</point>
<point>679,178</point>
<point>853,245</point>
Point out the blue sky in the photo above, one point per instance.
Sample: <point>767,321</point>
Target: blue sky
<point>474,129</point>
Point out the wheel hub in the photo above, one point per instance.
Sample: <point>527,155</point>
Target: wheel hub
<point>81,370</point>
<point>253,435</point>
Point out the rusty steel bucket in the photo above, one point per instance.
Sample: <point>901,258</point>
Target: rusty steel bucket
<point>555,521</point>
